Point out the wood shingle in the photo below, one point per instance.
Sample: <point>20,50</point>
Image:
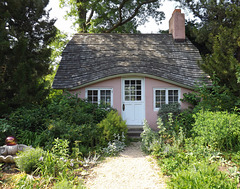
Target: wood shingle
<point>89,58</point>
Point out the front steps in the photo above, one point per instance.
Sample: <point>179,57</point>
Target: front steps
<point>134,131</point>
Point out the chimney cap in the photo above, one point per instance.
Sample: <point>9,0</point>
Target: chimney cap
<point>176,10</point>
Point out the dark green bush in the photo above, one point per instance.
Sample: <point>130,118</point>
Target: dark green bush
<point>163,113</point>
<point>65,116</point>
<point>29,118</point>
<point>218,129</point>
<point>185,120</point>
<point>6,129</point>
<point>173,108</point>
<point>112,124</point>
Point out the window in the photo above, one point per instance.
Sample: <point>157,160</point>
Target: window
<point>99,96</point>
<point>133,90</point>
<point>165,96</point>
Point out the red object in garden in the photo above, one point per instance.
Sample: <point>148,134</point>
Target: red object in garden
<point>10,141</point>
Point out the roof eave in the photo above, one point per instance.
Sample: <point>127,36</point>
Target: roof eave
<point>132,75</point>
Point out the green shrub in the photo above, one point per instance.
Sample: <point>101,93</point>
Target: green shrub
<point>111,126</point>
<point>185,120</point>
<point>115,146</point>
<point>28,160</point>
<point>88,134</point>
<point>218,129</point>
<point>6,129</point>
<point>73,110</point>
<point>164,111</point>
<point>31,138</point>
<point>29,118</point>
<point>202,175</point>
<point>168,114</point>
<point>149,138</point>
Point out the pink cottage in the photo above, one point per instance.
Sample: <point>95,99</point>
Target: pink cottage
<point>134,73</point>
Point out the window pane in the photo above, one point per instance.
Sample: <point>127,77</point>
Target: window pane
<point>138,97</point>
<point>170,92</point>
<point>160,98</point>
<point>105,97</point>
<point>163,98</point>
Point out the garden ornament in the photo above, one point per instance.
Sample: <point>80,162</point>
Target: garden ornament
<point>8,152</point>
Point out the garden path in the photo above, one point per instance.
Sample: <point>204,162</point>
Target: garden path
<point>132,169</point>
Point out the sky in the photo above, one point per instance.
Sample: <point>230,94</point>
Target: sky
<point>150,27</point>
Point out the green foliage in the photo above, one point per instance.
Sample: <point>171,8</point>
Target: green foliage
<point>25,34</point>
<point>185,121</point>
<point>27,181</point>
<point>216,33</point>
<point>202,175</point>
<point>218,129</point>
<point>64,184</point>
<point>71,109</point>
<point>29,118</point>
<point>148,137</point>
<point>5,130</point>
<point>115,146</point>
<point>163,112</point>
<point>112,125</point>
<point>63,116</point>
<point>27,160</point>
<point>192,98</point>
<point>111,16</point>
<point>30,138</point>
<point>61,148</point>
<point>213,97</point>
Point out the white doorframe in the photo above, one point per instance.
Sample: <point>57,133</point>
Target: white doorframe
<point>133,105</point>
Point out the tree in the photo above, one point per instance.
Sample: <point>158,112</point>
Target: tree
<point>57,46</point>
<point>217,37</point>
<point>25,33</point>
<point>105,16</point>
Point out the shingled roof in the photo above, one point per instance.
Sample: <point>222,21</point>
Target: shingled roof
<point>89,58</point>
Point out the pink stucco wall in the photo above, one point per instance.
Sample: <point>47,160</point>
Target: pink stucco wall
<point>150,84</point>
<point>115,84</point>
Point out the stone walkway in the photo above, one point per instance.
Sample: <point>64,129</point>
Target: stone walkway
<point>130,170</point>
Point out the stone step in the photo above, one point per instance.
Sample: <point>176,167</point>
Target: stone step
<point>135,131</point>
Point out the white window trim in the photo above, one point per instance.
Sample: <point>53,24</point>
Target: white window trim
<point>99,89</point>
<point>166,89</point>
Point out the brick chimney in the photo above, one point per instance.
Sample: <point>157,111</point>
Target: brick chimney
<point>177,25</point>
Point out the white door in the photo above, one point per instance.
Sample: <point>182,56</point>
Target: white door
<point>133,106</point>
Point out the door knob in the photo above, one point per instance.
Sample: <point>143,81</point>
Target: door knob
<point>123,107</point>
